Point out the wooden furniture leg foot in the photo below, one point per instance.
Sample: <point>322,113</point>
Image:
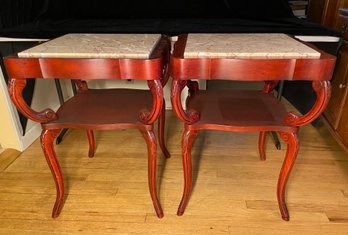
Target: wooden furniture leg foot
<point>161,127</point>
<point>61,135</point>
<point>276,140</point>
<point>292,149</point>
<point>91,143</point>
<point>187,142</point>
<point>262,139</point>
<point>47,138</point>
<point>150,139</point>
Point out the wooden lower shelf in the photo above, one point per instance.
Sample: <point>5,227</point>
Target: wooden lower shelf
<point>102,108</point>
<point>238,111</point>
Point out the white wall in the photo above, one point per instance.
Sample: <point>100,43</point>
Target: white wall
<point>10,131</point>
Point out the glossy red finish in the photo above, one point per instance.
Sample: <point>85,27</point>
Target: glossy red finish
<point>245,111</point>
<point>262,140</point>
<point>47,138</point>
<point>102,109</point>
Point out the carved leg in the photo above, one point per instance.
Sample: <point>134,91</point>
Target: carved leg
<point>152,148</point>
<point>292,149</point>
<point>47,138</point>
<point>91,142</point>
<point>187,142</point>
<point>161,127</point>
<point>262,139</point>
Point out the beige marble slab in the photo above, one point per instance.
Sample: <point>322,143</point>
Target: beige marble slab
<point>132,46</point>
<point>246,46</point>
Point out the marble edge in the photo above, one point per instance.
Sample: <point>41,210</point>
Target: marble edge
<point>309,52</point>
<point>83,56</point>
<point>145,54</point>
<point>192,55</point>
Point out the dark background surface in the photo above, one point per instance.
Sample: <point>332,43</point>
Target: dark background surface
<point>52,18</point>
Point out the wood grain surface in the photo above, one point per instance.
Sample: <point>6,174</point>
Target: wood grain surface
<point>233,192</point>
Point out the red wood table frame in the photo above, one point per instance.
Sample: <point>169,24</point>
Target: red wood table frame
<point>236,115</point>
<point>98,106</point>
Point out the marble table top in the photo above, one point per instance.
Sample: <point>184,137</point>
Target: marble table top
<point>246,46</point>
<point>132,46</point>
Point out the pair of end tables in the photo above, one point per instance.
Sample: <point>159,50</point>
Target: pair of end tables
<point>239,57</point>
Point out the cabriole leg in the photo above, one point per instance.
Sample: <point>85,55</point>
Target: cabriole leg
<point>47,138</point>
<point>187,142</point>
<point>262,139</point>
<point>292,149</point>
<point>152,155</point>
<point>91,143</point>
